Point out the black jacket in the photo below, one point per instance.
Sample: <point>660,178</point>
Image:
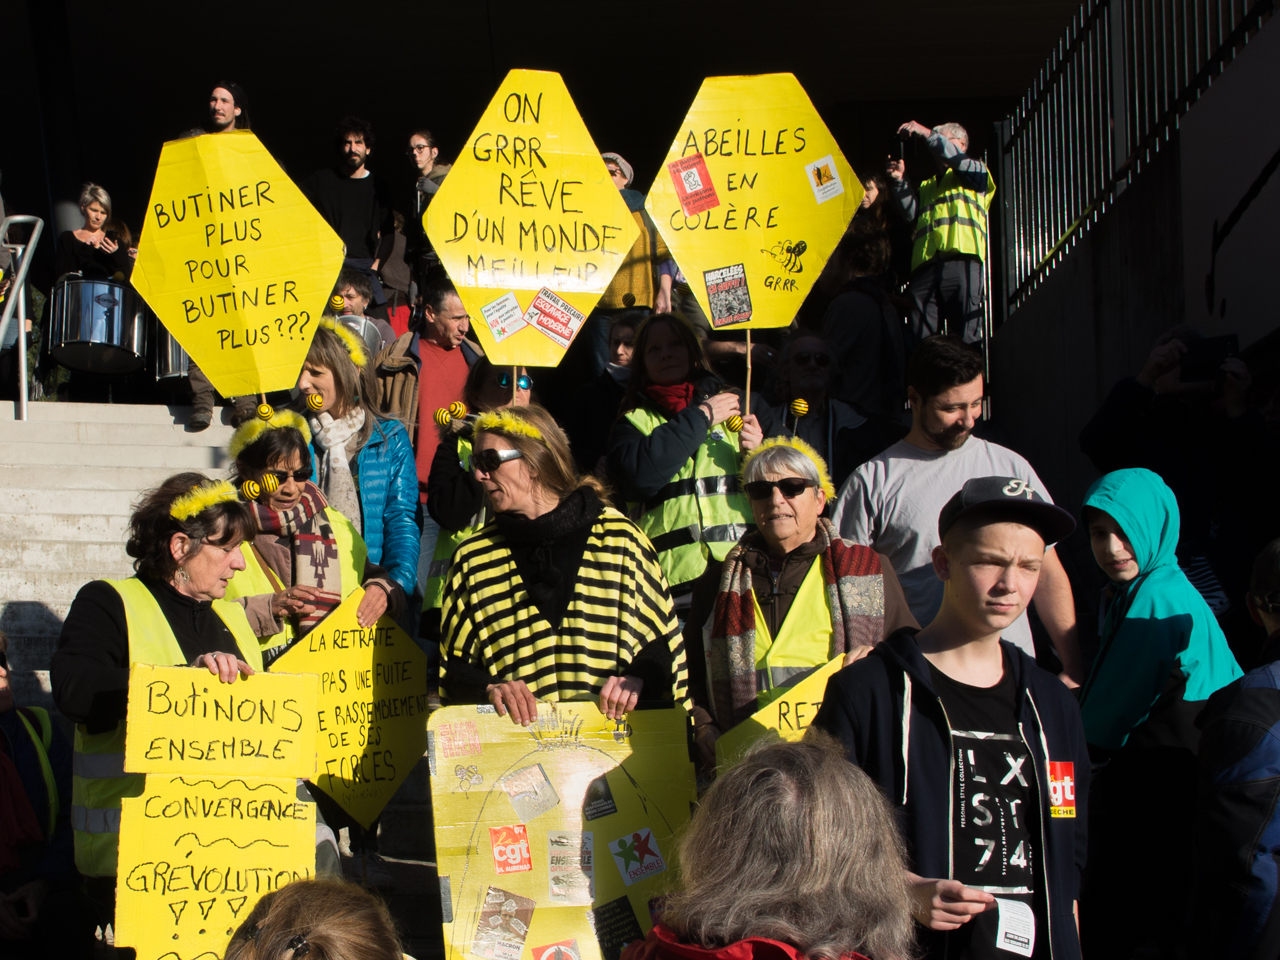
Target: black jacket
<point>888,695</point>
<point>1237,824</point>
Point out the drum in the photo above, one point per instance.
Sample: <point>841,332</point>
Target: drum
<point>98,326</point>
<point>363,328</point>
<point>172,363</point>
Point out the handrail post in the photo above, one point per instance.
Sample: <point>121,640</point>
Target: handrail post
<point>18,298</point>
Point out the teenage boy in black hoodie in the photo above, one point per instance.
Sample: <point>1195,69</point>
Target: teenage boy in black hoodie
<point>982,752</point>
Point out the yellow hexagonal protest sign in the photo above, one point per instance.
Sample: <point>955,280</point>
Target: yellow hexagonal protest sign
<point>752,198</point>
<point>528,223</point>
<point>235,261</point>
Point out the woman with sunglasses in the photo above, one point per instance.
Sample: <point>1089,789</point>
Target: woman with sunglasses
<point>561,596</point>
<point>364,462</point>
<point>306,557</point>
<point>672,452</point>
<point>793,594</point>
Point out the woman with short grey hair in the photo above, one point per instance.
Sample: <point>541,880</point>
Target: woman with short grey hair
<point>793,594</point>
<point>813,859</point>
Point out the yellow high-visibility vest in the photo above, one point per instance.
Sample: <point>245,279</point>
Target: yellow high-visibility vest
<point>801,646</point>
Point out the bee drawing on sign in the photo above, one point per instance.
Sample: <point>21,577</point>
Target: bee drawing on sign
<point>468,777</point>
<point>788,254</point>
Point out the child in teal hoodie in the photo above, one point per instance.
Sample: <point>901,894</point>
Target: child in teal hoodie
<point>1162,654</point>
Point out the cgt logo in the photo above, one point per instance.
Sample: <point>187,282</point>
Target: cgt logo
<point>510,849</point>
<point>1062,789</point>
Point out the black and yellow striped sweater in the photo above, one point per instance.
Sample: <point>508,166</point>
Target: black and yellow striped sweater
<point>619,620</point>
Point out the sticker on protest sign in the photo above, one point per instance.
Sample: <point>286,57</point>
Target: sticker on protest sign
<point>824,178</point>
<point>503,316</point>
<point>693,184</point>
<point>637,856</point>
<point>554,317</point>
<point>564,950</point>
<point>728,295</point>
<point>510,849</point>
<point>504,923</point>
<point>571,867</point>
<point>530,791</point>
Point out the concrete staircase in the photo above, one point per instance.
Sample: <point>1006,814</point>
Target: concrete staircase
<point>68,477</point>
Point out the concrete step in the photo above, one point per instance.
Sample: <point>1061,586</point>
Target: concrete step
<point>57,527</point>
<point>88,431</point>
<point>53,412</point>
<point>25,618</point>
<point>114,455</point>
<point>49,588</point>
<point>44,556</point>
<point>25,500</point>
<point>30,653</point>
<point>62,481</point>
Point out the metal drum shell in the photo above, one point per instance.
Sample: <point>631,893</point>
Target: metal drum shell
<point>365,329</point>
<point>99,326</point>
<point>172,362</point>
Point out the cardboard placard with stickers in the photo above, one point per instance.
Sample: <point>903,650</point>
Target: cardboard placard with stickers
<point>555,841</point>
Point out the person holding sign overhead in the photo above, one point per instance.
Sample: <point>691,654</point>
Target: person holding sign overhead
<point>364,461</point>
<point>561,597</point>
<point>673,452</point>
<point>306,557</point>
<point>185,538</point>
<point>793,594</point>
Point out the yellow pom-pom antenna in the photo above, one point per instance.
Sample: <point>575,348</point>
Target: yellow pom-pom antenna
<point>795,443</point>
<point>270,483</point>
<point>800,407</point>
<point>733,424</point>
<point>251,489</point>
<point>265,412</point>
<point>201,498</point>
<point>504,421</point>
<point>354,345</point>
<point>443,417</point>
<point>457,409</point>
<point>315,401</point>
<point>336,303</point>
<point>251,430</point>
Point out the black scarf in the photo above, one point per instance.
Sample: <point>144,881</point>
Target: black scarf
<point>548,550</point>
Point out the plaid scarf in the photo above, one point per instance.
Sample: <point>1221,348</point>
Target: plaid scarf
<point>855,598</point>
<point>314,547</point>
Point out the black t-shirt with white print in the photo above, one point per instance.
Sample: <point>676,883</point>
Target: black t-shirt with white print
<point>995,810</point>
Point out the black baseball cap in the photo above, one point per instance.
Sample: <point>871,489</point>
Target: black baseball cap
<point>1007,499</point>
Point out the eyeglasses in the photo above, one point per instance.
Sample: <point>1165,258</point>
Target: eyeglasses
<point>283,475</point>
<point>524,381</point>
<point>417,148</point>
<point>791,487</point>
<point>490,460</point>
<point>821,359</point>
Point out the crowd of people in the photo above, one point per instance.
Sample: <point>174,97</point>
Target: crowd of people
<point>635,528</point>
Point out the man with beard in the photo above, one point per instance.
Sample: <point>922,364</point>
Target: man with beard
<point>357,204</point>
<point>892,501</point>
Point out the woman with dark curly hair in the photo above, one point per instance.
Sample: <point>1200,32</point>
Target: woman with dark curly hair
<point>185,539</point>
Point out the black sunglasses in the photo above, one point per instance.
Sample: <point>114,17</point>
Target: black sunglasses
<point>791,488</point>
<point>821,359</point>
<point>282,475</point>
<point>490,460</point>
<point>524,381</point>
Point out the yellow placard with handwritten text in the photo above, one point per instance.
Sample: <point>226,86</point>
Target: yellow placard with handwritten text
<point>235,261</point>
<point>787,718</point>
<point>183,720</point>
<point>553,839</point>
<point>197,852</point>
<point>528,223</point>
<point>371,711</point>
<point>752,199</point>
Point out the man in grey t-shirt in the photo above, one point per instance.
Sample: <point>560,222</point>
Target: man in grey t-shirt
<point>891,503</point>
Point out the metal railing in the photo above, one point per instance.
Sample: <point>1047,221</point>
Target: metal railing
<point>17,297</point>
<point>1109,96</point>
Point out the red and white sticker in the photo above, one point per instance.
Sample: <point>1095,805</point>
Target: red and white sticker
<point>510,849</point>
<point>1062,788</point>
<point>693,184</point>
<point>557,318</point>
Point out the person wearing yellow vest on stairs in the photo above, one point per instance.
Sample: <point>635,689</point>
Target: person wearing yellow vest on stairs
<point>185,538</point>
<point>305,560</point>
<point>793,594</point>
<point>306,557</point>
<point>950,232</point>
<point>675,458</point>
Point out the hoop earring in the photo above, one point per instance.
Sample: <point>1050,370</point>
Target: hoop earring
<point>182,576</point>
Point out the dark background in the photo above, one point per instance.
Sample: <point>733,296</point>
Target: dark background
<point>99,87</point>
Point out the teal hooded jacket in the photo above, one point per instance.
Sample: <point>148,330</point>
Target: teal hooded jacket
<point>1162,652</point>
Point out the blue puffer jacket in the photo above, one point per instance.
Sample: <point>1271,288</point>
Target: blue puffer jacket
<point>389,502</point>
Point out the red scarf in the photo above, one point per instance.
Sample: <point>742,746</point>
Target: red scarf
<point>671,399</point>
<point>18,824</point>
